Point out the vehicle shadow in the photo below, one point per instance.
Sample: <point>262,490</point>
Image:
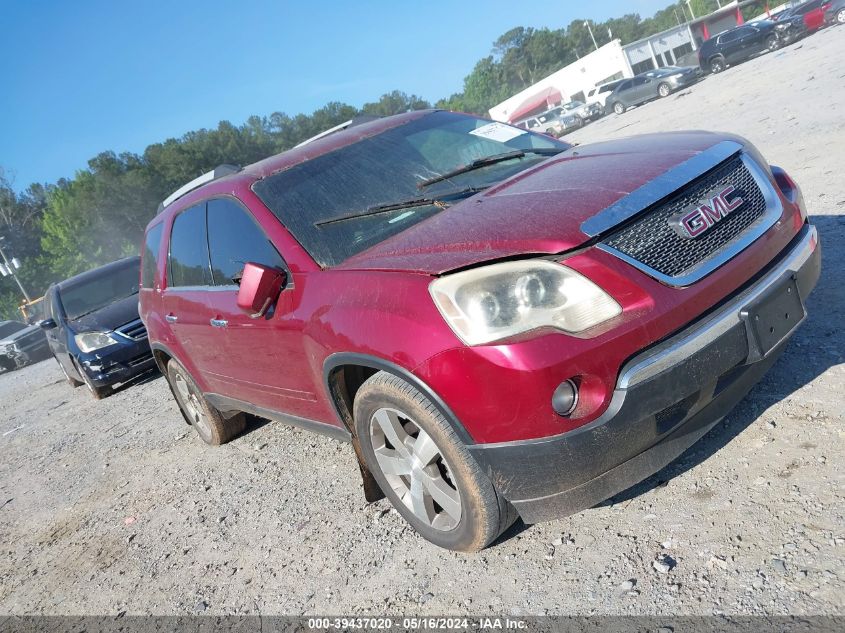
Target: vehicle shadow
<point>142,379</point>
<point>818,345</point>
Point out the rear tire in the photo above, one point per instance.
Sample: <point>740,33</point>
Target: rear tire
<point>840,17</point>
<point>618,108</point>
<point>209,423</point>
<point>717,65</point>
<point>432,480</point>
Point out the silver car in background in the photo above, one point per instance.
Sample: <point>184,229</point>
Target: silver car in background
<point>555,122</point>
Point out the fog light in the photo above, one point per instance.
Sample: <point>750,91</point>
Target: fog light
<point>565,398</point>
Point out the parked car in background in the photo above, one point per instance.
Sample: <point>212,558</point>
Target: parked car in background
<point>812,12</point>
<point>646,86</point>
<point>597,97</point>
<point>585,112</point>
<point>500,325</point>
<point>790,29</point>
<point>93,327</point>
<point>835,13</point>
<point>738,44</point>
<point>555,122</point>
<point>21,344</point>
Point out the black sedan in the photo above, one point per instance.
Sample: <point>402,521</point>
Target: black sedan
<point>94,330</point>
<point>21,344</point>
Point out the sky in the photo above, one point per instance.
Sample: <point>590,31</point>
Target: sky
<point>81,77</point>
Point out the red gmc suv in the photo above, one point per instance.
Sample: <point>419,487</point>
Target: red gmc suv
<point>499,323</point>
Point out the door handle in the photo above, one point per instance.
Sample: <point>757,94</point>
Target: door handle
<point>219,323</point>
<point>171,318</point>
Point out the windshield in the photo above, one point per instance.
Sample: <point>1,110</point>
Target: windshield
<point>387,169</point>
<point>99,290</point>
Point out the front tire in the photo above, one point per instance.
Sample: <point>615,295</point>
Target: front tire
<point>772,43</point>
<point>840,17</point>
<point>98,393</point>
<point>209,423</point>
<point>664,89</point>
<point>424,468</point>
<point>73,382</point>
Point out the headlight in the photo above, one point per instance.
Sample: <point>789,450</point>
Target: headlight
<point>494,302</point>
<point>91,341</point>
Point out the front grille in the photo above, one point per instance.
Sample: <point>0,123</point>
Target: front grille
<point>652,241</point>
<point>136,330</point>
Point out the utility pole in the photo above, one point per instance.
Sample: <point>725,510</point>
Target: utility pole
<point>689,4</point>
<point>10,267</point>
<point>587,24</point>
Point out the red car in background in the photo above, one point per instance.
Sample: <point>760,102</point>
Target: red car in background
<point>501,324</point>
<point>813,12</point>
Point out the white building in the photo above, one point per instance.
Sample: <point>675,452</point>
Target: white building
<point>570,83</point>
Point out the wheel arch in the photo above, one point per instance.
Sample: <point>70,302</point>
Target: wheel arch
<point>345,372</point>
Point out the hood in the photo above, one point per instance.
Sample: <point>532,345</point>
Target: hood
<point>110,317</point>
<point>537,211</point>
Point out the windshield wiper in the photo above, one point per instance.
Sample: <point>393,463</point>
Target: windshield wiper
<point>478,163</point>
<point>420,201</point>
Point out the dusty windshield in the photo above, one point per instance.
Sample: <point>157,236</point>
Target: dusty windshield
<point>96,292</point>
<point>390,169</point>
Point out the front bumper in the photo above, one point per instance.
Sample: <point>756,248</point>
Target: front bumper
<point>666,398</point>
<point>118,364</point>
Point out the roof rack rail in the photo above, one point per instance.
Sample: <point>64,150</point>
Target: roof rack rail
<point>217,172</point>
<point>358,120</point>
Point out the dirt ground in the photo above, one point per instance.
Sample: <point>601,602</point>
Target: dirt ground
<point>116,506</point>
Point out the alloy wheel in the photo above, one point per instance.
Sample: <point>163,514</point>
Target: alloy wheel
<point>193,409</point>
<point>416,469</point>
<point>663,90</point>
<point>840,17</point>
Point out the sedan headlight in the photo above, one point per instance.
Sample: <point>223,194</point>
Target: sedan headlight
<point>92,341</point>
<point>494,302</point>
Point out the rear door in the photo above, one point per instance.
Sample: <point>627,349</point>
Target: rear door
<point>641,90</point>
<point>730,45</point>
<point>261,360</point>
<point>184,298</point>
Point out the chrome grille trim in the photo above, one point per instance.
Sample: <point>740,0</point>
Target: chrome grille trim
<point>773,211</point>
<point>134,330</point>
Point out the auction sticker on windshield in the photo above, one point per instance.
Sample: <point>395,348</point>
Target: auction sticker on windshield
<point>497,132</point>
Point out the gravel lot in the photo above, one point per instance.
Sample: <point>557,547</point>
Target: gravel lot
<point>116,506</point>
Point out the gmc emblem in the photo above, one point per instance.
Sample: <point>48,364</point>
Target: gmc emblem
<point>693,222</point>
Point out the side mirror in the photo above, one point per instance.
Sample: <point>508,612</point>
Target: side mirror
<point>48,324</point>
<point>259,288</point>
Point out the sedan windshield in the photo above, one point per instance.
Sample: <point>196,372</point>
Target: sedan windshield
<point>384,173</point>
<point>96,291</point>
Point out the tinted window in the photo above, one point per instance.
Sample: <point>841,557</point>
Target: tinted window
<point>150,257</point>
<point>624,85</point>
<point>730,36</point>
<point>234,239</point>
<point>323,201</point>
<point>639,81</point>
<point>188,264</point>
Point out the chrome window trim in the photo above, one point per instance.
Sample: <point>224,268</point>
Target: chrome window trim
<point>718,323</point>
<point>774,210</point>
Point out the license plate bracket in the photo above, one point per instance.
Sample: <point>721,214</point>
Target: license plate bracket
<point>771,318</point>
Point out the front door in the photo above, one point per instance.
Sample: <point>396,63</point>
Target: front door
<point>259,360</point>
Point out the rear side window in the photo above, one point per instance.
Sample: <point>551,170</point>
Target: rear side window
<point>235,239</point>
<point>151,248</point>
<point>188,262</point>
